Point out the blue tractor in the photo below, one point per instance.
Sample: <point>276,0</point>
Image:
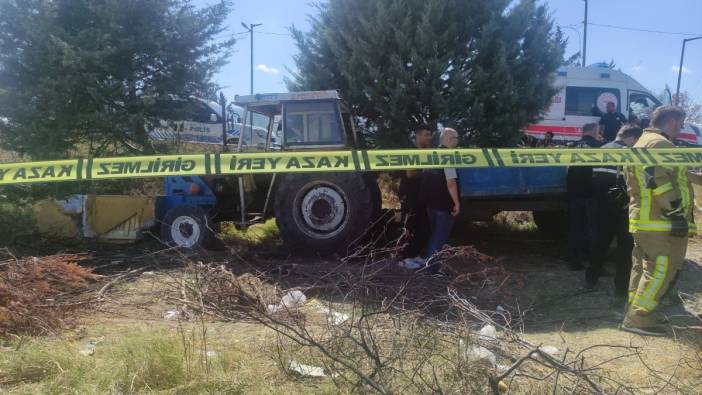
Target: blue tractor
<point>315,212</point>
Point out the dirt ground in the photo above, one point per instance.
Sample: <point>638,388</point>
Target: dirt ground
<point>560,311</point>
<point>557,311</point>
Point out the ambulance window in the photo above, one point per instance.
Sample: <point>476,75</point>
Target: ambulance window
<point>315,123</point>
<point>589,101</point>
<point>642,104</point>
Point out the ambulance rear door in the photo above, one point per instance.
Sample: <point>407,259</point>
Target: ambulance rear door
<point>587,98</point>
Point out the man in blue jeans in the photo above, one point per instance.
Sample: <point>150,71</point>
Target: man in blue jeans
<point>439,193</point>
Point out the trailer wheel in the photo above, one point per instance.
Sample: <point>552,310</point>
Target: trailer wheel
<point>187,227</point>
<point>323,213</point>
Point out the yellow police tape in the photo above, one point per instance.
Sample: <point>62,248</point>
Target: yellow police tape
<point>333,161</point>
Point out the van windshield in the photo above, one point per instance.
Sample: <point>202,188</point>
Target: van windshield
<point>642,104</point>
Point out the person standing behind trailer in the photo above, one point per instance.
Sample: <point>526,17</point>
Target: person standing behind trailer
<point>611,122</point>
<point>547,141</point>
<point>611,216</point>
<point>660,219</point>
<point>414,215</point>
<point>580,210</point>
<point>440,193</point>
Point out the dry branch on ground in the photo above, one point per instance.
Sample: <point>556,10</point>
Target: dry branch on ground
<point>38,295</point>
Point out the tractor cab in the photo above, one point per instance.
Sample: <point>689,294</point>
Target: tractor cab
<point>298,121</point>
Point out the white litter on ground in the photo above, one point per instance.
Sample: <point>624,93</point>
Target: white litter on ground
<point>273,308</point>
<point>478,353</point>
<point>337,318</point>
<point>171,315</point>
<point>488,332</point>
<point>333,317</point>
<point>550,350</point>
<point>290,300</point>
<point>306,370</point>
<point>90,347</point>
<point>294,299</point>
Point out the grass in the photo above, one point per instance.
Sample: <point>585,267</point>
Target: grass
<point>266,233</point>
<point>142,358</point>
<point>515,221</point>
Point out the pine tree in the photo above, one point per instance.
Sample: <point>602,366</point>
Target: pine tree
<point>96,74</point>
<point>480,66</point>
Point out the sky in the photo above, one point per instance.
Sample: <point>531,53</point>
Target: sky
<point>651,57</point>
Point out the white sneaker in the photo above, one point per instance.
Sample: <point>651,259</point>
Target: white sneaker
<point>411,263</point>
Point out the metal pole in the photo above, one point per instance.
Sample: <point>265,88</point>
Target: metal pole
<point>251,31</point>
<point>677,90</point>
<point>680,68</point>
<point>585,37</point>
<point>250,28</point>
<point>223,103</point>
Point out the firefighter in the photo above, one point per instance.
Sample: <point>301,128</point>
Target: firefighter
<point>611,217</point>
<point>660,219</point>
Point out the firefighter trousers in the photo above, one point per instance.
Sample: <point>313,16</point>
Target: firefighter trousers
<point>657,258</point>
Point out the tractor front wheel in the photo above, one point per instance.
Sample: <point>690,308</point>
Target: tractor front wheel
<point>187,227</point>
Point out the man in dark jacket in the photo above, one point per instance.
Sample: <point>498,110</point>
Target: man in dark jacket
<point>611,122</point>
<point>611,216</point>
<point>414,213</point>
<point>580,201</point>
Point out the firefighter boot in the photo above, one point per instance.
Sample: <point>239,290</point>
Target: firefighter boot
<point>642,324</point>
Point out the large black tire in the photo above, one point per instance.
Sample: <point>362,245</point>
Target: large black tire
<point>554,224</point>
<point>187,227</point>
<point>323,213</point>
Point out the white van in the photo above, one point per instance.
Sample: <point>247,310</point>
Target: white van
<point>584,94</point>
<point>200,121</point>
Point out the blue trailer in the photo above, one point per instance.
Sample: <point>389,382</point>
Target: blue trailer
<point>541,190</point>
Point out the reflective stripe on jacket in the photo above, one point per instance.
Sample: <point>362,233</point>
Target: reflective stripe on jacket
<point>656,191</point>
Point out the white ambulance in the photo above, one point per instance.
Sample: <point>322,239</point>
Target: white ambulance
<point>583,96</point>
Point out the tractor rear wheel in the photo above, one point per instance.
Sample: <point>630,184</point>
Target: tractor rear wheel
<point>324,213</point>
